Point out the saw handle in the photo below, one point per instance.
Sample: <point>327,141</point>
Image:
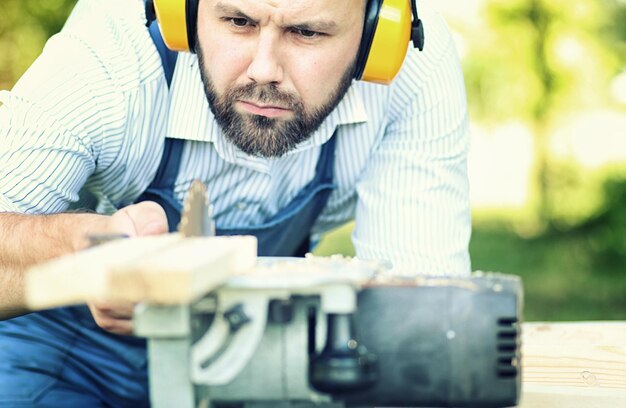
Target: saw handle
<point>344,364</point>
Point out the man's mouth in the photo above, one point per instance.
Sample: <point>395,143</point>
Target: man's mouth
<point>270,111</point>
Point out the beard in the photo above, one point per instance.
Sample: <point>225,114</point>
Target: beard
<point>262,136</point>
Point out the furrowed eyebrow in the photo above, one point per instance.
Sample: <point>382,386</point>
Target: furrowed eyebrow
<point>233,11</point>
<point>318,26</point>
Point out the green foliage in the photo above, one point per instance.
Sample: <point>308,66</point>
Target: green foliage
<point>336,242</point>
<point>24,28</point>
<point>606,230</point>
<point>561,279</point>
<point>539,61</point>
<point>575,194</point>
<point>536,59</point>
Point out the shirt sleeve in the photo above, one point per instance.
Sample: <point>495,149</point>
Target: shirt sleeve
<point>54,123</point>
<point>46,154</point>
<point>413,207</point>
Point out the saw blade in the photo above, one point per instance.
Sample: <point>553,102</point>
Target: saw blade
<point>196,219</point>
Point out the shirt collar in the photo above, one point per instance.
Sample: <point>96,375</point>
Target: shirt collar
<point>190,117</point>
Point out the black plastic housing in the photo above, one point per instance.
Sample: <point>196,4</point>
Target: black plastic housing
<point>452,342</point>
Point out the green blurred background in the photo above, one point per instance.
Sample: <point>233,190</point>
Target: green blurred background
<point>546,82</point>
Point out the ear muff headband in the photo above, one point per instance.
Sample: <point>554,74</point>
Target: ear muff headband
<point>386,33</point>
<point>177,22</point>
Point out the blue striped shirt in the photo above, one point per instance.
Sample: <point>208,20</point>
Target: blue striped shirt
<point>94,108</point>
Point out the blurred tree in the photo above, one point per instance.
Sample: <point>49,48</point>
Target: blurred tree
<point>607,228</point>
<point>24,28</point>
<point>536,60</point>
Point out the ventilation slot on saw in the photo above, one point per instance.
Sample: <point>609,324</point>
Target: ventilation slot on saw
<point>508,348</point>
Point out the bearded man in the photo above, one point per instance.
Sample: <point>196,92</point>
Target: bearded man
<point>267,111</point>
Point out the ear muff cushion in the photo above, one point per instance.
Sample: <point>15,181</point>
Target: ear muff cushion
<point>172,18</point>
<point>192,19</point>
<point>390,43</point>
<point>372,9</point>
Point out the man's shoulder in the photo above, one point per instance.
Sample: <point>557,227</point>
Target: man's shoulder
<point>101,14</point>
<point>114,33</point>
<point>422,70</point>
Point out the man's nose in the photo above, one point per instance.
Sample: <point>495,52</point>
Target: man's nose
<point>265,66</point>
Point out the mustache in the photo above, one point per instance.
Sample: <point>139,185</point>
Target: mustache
<point>266,94</point>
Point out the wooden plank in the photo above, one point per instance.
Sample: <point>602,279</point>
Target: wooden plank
<point>161,269</point>
<point>550,396</point>
<point>186,271</point>
<point>580,364</point>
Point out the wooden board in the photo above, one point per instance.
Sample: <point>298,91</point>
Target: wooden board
<point>161,269</point>
<point>574,365</point>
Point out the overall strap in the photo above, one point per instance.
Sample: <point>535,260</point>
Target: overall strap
<point>326,163</point>
<point>172,151</point>
<point>161,187</point>
<point>168,57</point>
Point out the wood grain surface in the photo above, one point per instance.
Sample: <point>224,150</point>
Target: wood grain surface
<point>580,364</point>
<point>161,269</point>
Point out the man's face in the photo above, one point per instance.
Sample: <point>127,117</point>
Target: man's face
<point>274,69</point>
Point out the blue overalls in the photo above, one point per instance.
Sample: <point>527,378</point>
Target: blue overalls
<point>61,358</point>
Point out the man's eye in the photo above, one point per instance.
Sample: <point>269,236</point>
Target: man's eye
<point>306,33</point>
<point>239,21</point>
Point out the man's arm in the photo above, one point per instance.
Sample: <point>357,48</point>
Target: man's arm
<point>11,293</point>
<point>30,239</point>
<point>413,206</point>
<point>35,238</point>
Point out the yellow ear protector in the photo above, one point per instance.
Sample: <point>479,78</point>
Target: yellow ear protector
<point>389,25</point>
<point>177,22</point>
<point>386,33</point>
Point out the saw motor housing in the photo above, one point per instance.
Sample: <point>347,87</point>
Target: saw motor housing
<point>337,341</point>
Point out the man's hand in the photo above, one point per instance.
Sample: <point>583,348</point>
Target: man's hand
<point>114,317</point>
<point>142,219</point>
<point>137,220</point>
